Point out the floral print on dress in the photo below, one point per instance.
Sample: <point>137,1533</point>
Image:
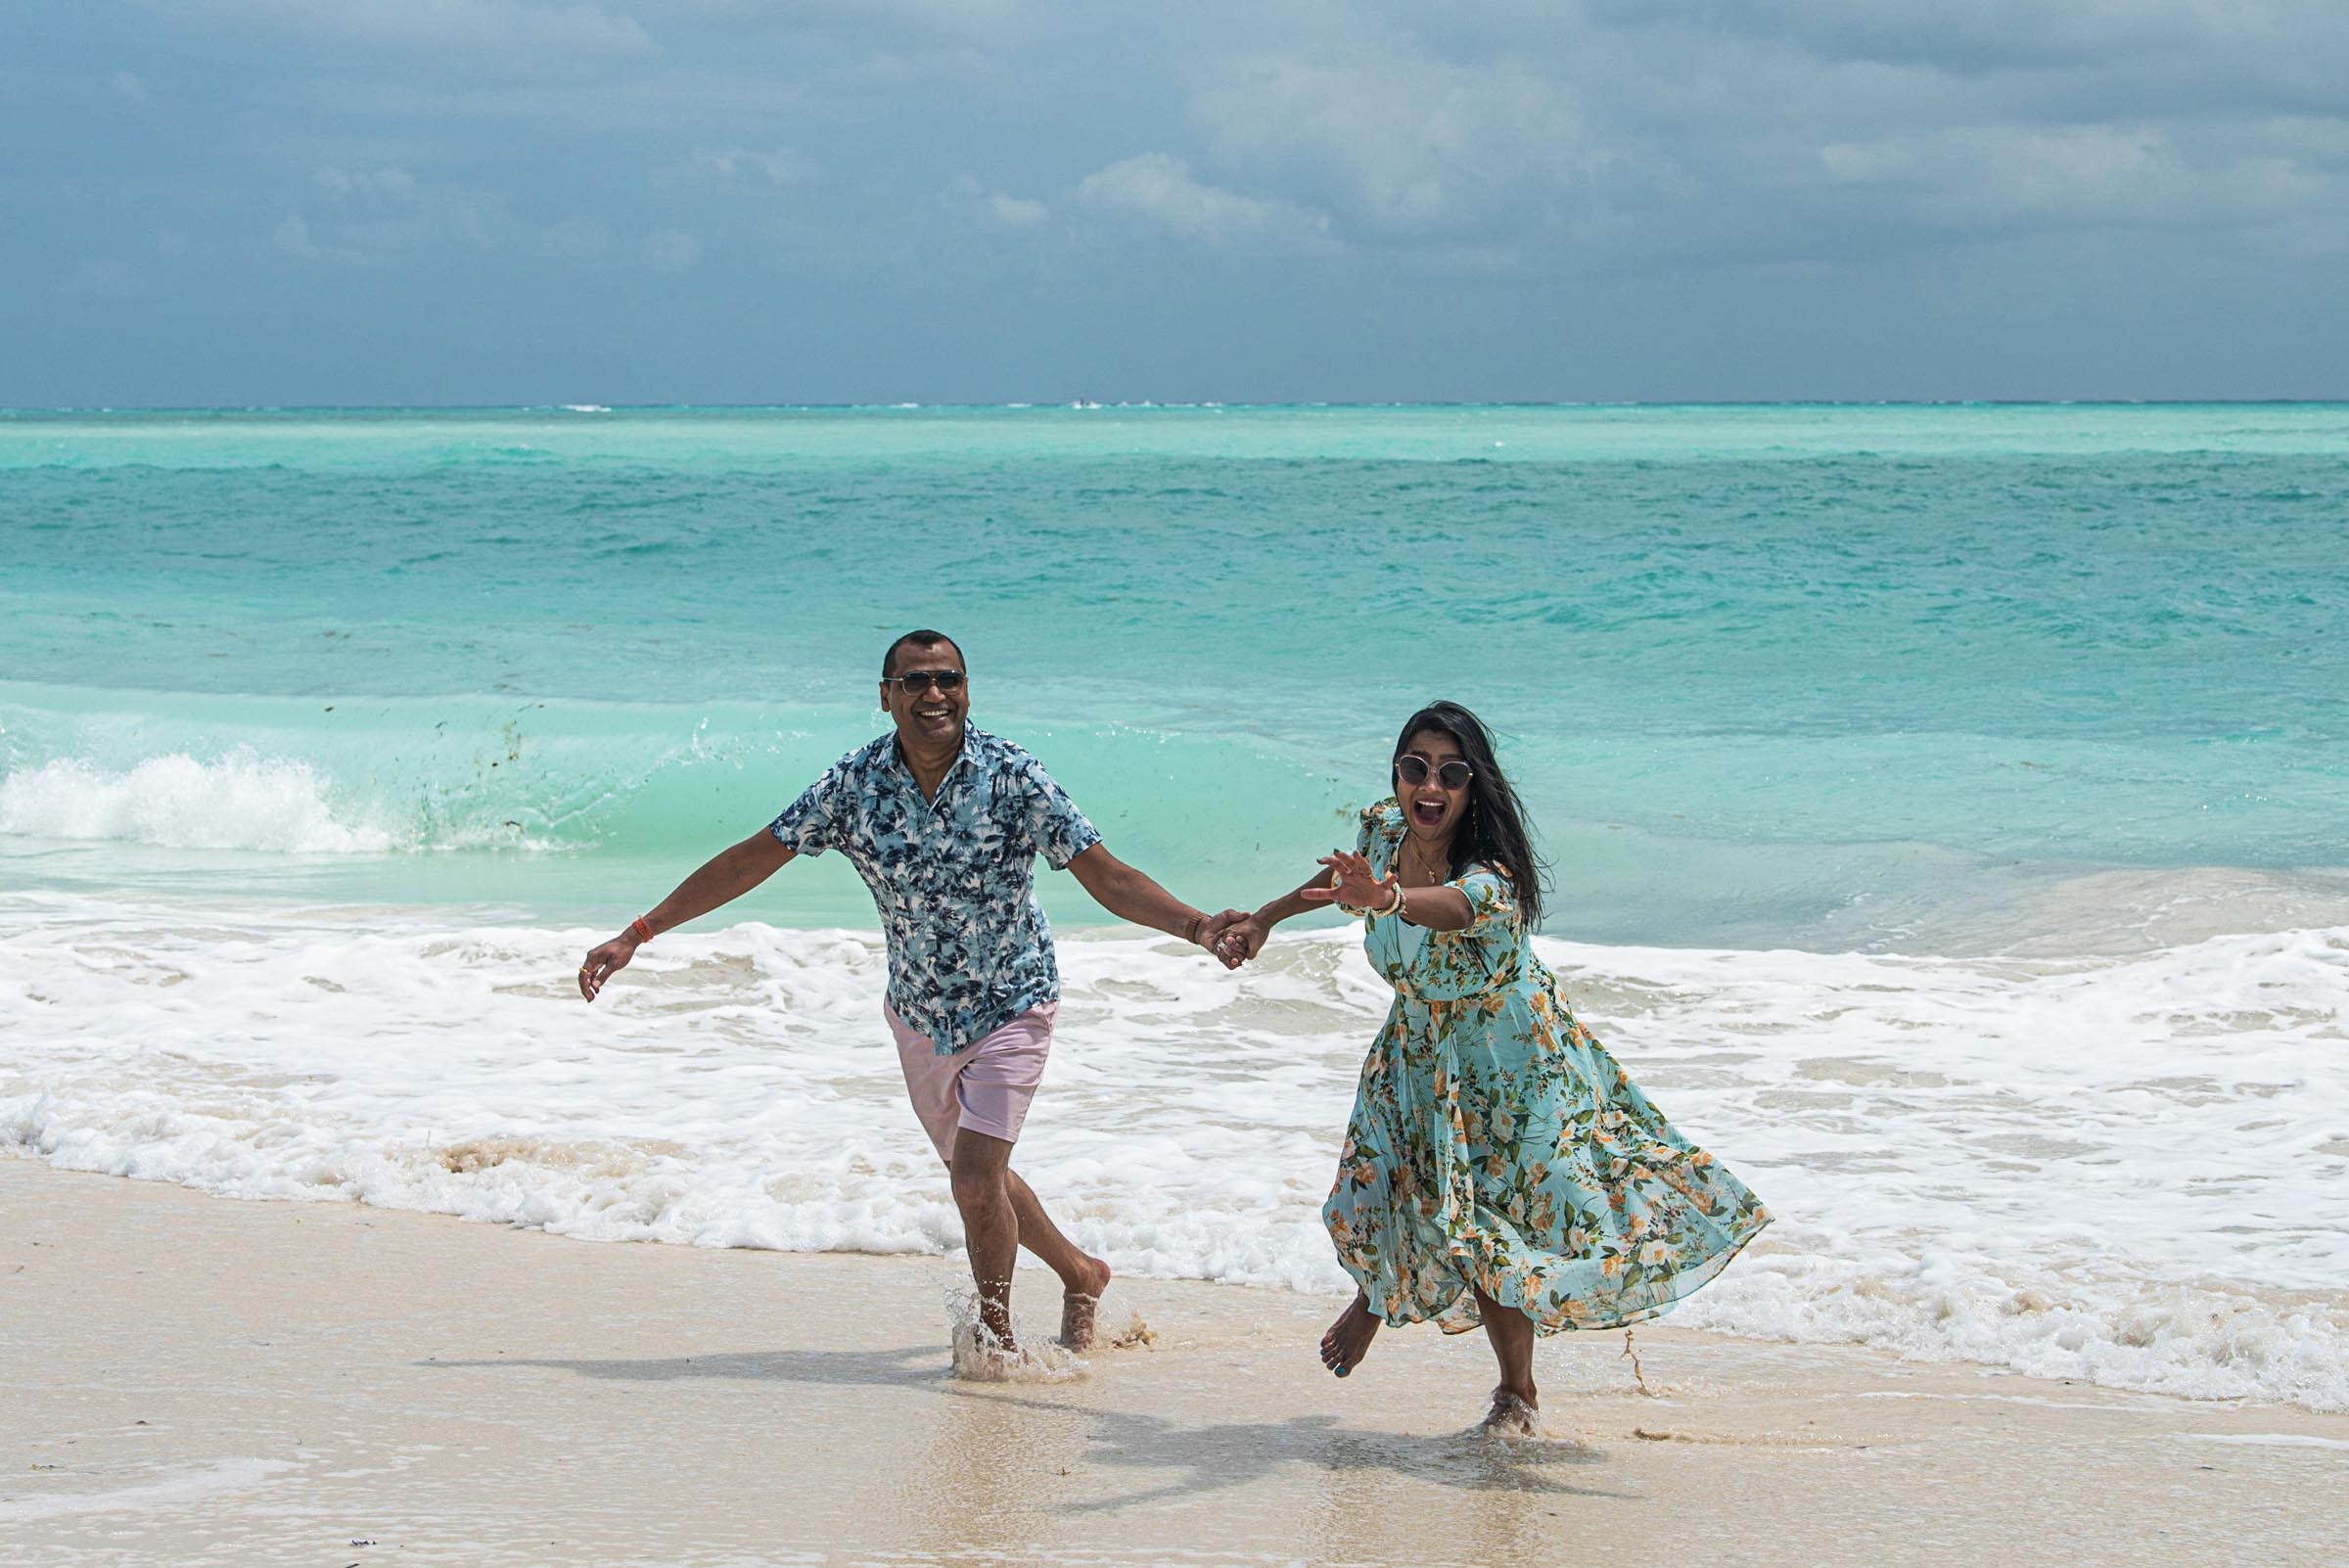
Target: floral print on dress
<point>1495,1142</point>
<point>953,879</point>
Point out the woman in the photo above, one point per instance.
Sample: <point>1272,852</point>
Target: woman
<point>1499,1168</point>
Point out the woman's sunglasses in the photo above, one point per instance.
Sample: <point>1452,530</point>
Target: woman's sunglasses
<point>915,681</point>
<point>1413,768</point>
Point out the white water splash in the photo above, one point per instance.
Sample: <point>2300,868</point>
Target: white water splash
<point>2126,1171</point>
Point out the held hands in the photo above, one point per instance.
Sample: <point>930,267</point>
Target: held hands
<point>1212,933</point>
<point>1352,884</point>
<point>1241,941</point>
<point>606,961</point>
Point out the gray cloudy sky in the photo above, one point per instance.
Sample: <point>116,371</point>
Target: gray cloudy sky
<point>512,201</point>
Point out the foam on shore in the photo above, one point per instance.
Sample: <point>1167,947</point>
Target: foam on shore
<point>2128,1171</point>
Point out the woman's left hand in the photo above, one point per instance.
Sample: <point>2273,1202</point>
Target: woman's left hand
<point>1353,883</point>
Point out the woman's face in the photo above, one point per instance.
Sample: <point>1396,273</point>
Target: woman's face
<point>1432,812</point>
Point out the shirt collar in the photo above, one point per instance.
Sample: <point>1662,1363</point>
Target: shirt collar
<point>969,754</point>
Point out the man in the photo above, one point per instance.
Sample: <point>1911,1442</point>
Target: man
<point>943,821</point>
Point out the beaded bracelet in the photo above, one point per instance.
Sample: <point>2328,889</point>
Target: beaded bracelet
<point>644,932</point>
<point>1395,906</point>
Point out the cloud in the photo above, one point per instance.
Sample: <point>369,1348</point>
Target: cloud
<point>293,238</point>
<point>1016,212</point>
<point>393,182</point>
<point>1542,139</point>
<point>107,279</point>
<point>657,105</point>
<point>1501,163</point>
<point>781,166</point>
<point>1156,192</point>
<point>894,20</point>
<point>519,33</point>
<point>994,209</point>
<point>1398,142</point>
<point>672,250</point>
<point>1996,178</point>
<point>1991,37</point>
<point>381,235</point>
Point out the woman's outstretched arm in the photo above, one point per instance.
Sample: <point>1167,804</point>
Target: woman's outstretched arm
<point>1347,881</point>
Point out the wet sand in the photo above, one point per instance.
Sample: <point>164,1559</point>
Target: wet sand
<point>192,1380</point>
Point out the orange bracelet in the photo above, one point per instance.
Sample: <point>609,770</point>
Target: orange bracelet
<point>644,932</point>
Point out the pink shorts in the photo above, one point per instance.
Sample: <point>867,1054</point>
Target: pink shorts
<point>985,1087</point>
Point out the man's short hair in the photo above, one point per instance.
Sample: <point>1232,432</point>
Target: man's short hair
<point>916,639</point>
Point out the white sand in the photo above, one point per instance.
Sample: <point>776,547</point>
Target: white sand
<point>189,1380</point>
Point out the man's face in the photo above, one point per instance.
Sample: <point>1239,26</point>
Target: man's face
<point>927,712</point>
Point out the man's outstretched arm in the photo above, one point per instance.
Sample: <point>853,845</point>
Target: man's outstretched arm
<point>727,876</point>
<point>1130,895</point>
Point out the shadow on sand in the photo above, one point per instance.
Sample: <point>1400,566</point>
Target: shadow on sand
<point>1202,1458</point>
<point>907,1367</point>
<point>1232,1453</point>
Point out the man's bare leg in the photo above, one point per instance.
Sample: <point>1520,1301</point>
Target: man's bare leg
<point>981,1172</point>
<point>1082,1276</point>
<point>1515,1401</point>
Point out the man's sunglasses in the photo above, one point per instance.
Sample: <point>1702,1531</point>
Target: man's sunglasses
<point>1413,768</point>
<point>915,681</point>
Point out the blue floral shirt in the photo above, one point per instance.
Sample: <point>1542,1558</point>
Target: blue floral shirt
<point>954,878</point>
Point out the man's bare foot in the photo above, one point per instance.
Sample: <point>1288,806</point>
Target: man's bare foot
<point>1349,1338</point>
<point>1081,1304</point>
<point>1511,1415</point>
<point>994,1326</point>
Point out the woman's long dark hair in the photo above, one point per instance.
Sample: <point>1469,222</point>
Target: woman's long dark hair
<point>1494,830</point>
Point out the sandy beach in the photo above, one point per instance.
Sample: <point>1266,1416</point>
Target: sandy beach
<point>192,1380</point>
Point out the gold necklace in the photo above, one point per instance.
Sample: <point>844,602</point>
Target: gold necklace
<point>1434,877</point>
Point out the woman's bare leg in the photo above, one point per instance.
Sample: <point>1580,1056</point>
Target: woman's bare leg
<point>1349,1338</point>
<point>1515,1401</point>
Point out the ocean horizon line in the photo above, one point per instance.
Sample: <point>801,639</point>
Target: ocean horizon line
<point>1089,406</point>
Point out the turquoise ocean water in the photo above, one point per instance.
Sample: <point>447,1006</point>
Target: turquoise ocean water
<point>1946,810</point>
<point>1836,677</point>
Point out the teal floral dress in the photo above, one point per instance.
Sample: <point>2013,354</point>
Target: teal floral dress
<point>1496,1143</point>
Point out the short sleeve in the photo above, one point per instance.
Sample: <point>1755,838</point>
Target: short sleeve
<point>811,824</point>
<point>1491,900</point>
<point>1053,824</point>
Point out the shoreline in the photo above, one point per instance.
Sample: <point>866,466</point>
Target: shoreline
<point>195,1381</point>
<point>1906,1120</point>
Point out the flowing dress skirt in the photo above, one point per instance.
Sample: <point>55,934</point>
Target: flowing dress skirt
<point>1495,1144</point>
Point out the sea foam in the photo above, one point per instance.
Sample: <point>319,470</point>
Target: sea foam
<point>237,801</point>
<point>2128,1171</point>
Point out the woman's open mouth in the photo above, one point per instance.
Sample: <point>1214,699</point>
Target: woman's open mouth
<point>1428,813</point>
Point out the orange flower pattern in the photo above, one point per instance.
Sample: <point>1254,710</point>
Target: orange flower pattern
<point>1495,1142</point>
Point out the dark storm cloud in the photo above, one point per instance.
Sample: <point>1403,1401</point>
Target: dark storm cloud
<point>996,198</point>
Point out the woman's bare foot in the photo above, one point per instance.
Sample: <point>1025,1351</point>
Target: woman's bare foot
<point>1511,1415</point>
<point>1081,1304</point>
<point>1349,1338</point>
